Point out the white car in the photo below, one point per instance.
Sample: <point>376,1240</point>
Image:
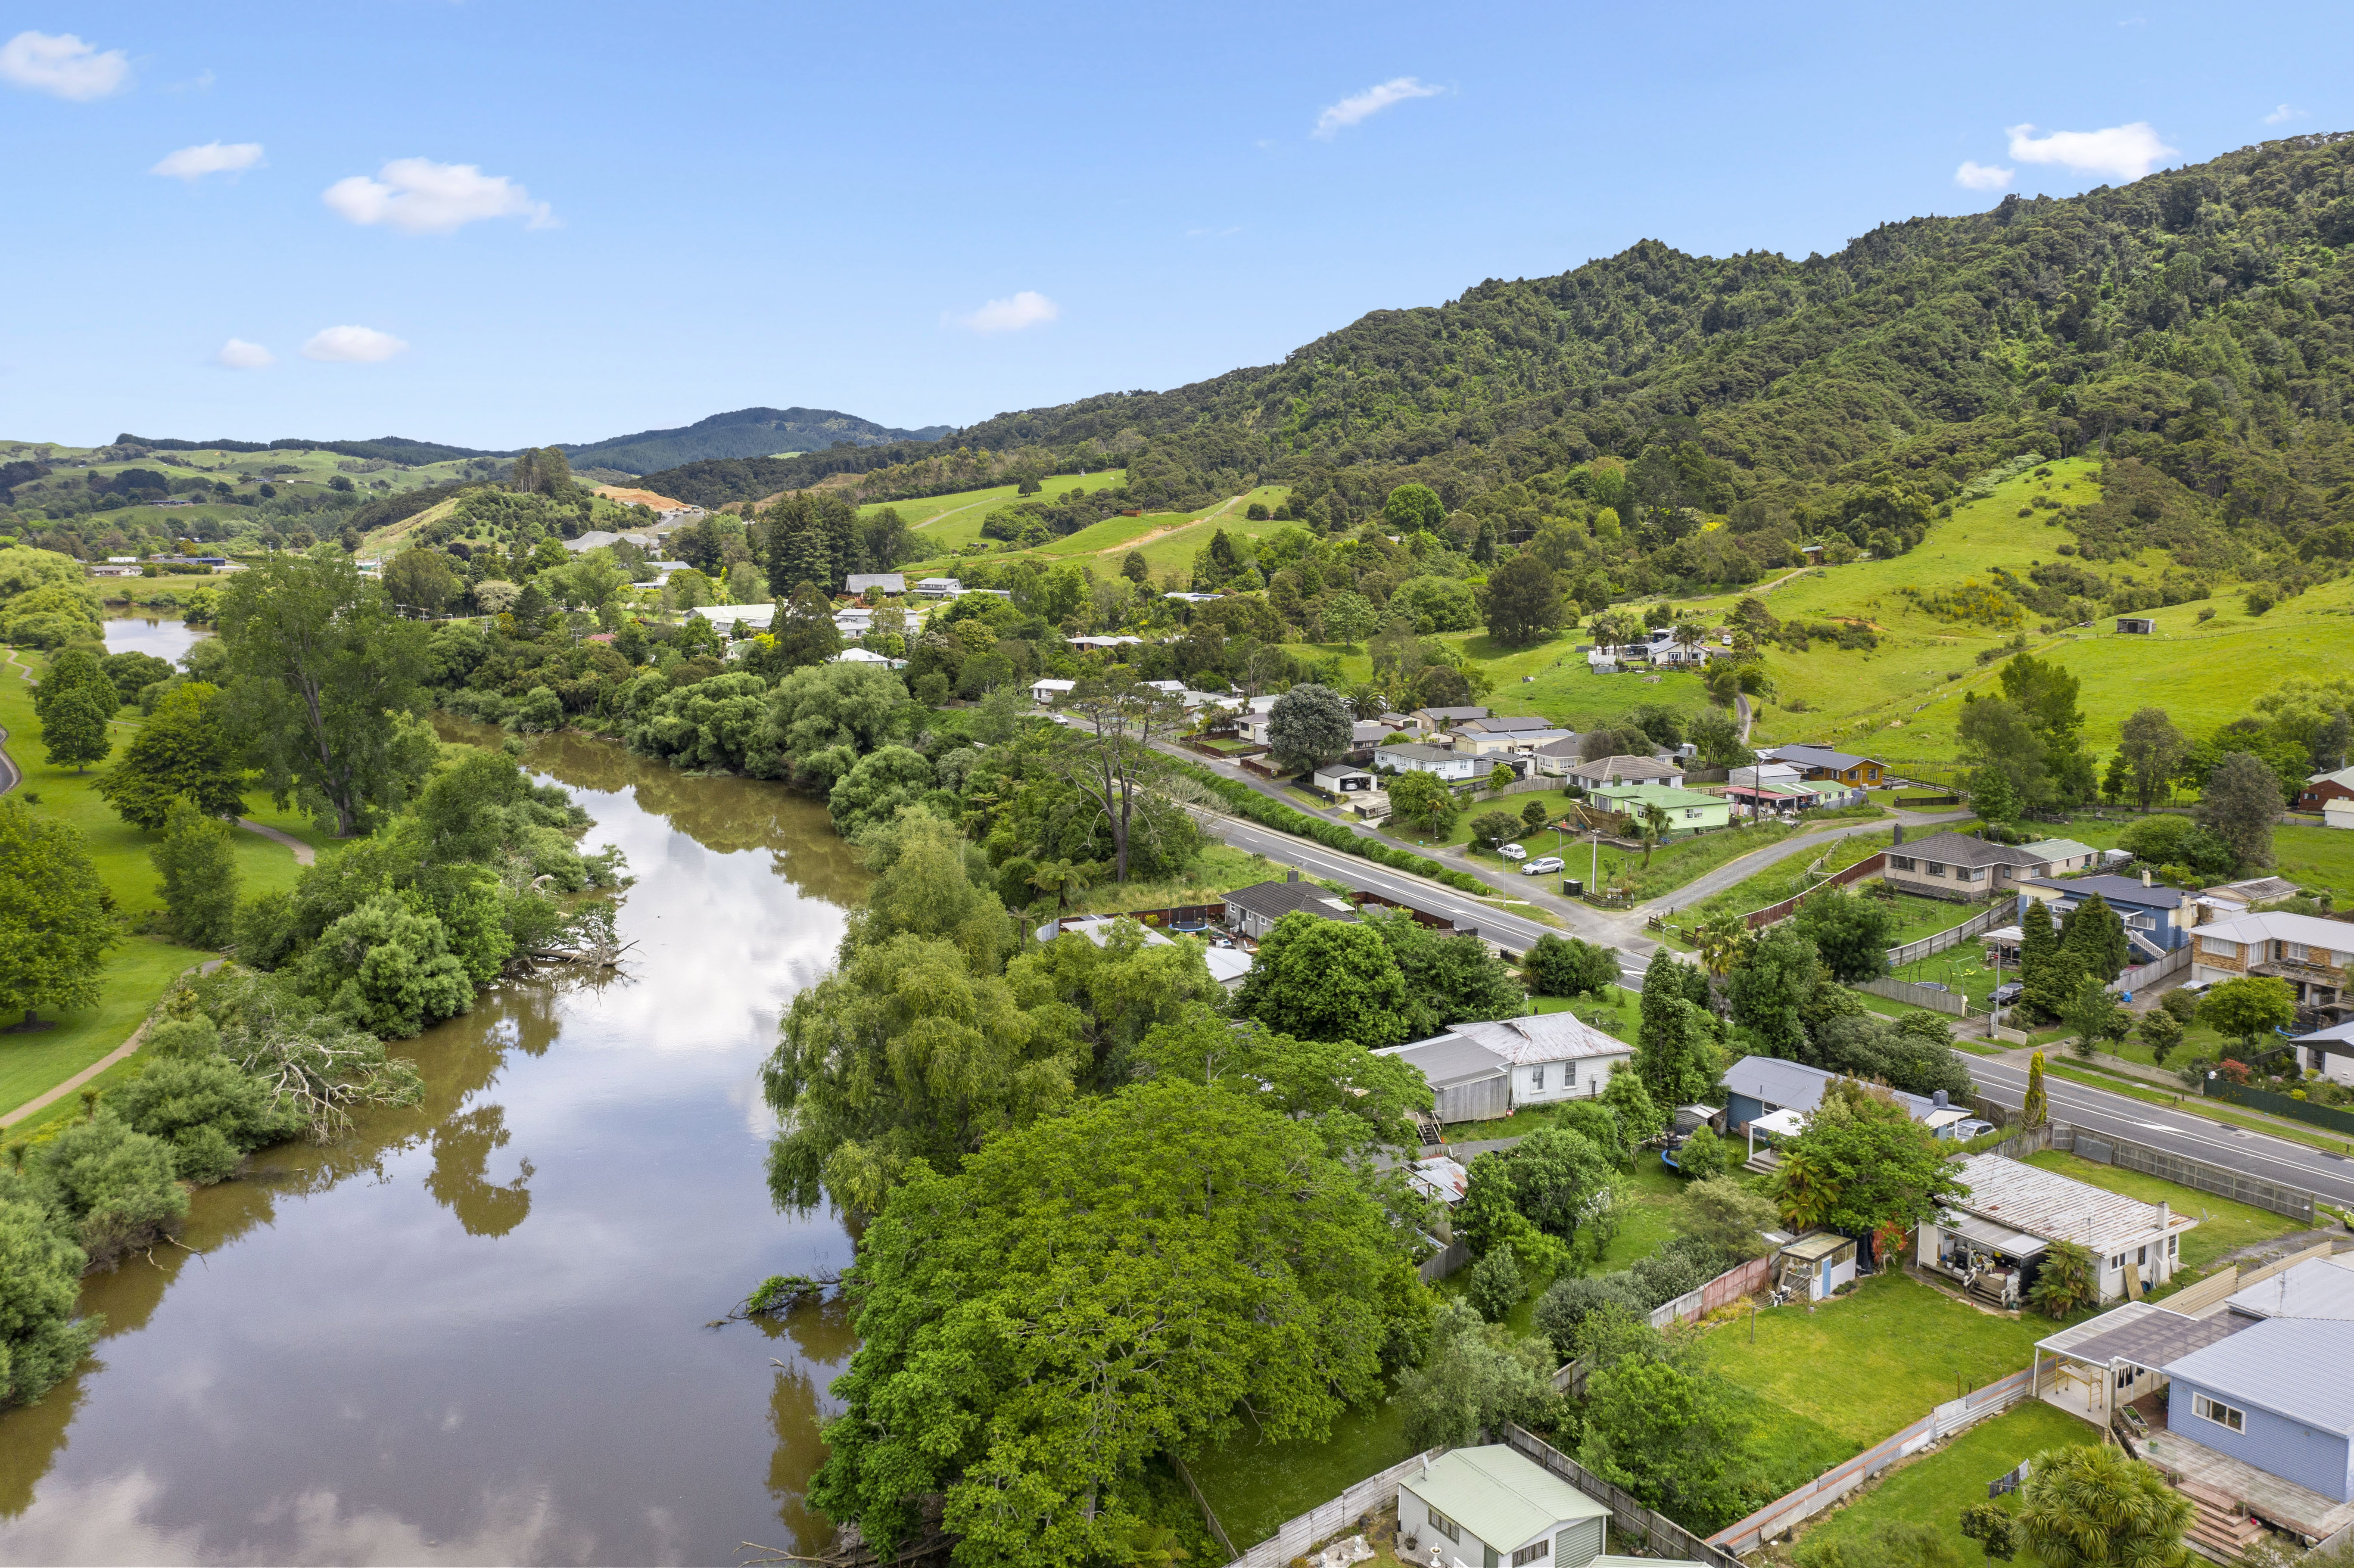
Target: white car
<point>1551,862</point>
<point>1512,852</point>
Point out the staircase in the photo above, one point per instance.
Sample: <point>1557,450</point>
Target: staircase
<point>1986,1286</point>
<point>2218,1528</point>
<point>1765,1162</point>
<point>1428,1129</point>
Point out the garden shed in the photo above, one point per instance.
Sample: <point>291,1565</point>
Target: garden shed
<point>1490,1506</point>
<point>1815,1266</point>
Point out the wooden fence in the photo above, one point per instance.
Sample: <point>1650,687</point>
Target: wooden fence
<point>1731,1286</point>
<point>1628,1514</point>
<point>2219,1088</point>
<point>1782,1512</point>
<point>1295,1535</point>
<point>2142,976</point>
<point>1869,865</point>
<point>1444,1262</point>
<point>1935,998</point>
<point>1985,920</point>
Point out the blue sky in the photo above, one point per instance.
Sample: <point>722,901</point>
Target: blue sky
<point>493,224</point>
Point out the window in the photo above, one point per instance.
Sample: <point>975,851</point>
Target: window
<point>1934,868</point>
<point>2116,1263</point>
<point>1442,1525</point>
<point>2219,1414</point>
<point>1536,1076</point>
<point>1903,862</point>
<point>1535,1551</point>
<point>1970,873</point>
<point>2173,1246</point>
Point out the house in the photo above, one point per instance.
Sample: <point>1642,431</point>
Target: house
<point>2278,1396</point>
<point>2136,626</point>
<point>1494,1504</point>
<point>1096,644</point>
<point>1513,724</point>
<point>2337,814</point>
<point>1688,810</point>
<point>1479,743</point>
<point>724,616</point>
<point>859,584</point>
<point>1760,774</point>
<point>1993,1238</point>
<point>1227,965</point>
<point>2323,788</point>
<point>2063,857</point>
<point>1623,770</point>
<point>1556,757</point>
<point>1341,780</point>
<point>1958,866</point>
<point>2312,954</point>
<point>2156,916</point>
<point>940,588</point>
<point>1446,762</point>
<point>1468,1081</point>
<point>2325,1046</point>
<point>867,656</point>
<point>1253,911</point>
<point>2317,1287</point>
<point>2230,900</point>
<point>1759,1087</point>
<point>116,572</point>
<point>1430,719</point>
<point>1044,692</point>
<point>1822,762</point>
<point>1552,1056</point>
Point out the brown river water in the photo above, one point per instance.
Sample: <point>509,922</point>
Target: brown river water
<point>476,1330</point>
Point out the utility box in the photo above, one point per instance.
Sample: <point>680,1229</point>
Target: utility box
<point>1572,888</point>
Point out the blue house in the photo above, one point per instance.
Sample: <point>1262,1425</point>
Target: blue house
<point>2276,1395</point>
<point>1757,1086</point>
<point>2158,918</point>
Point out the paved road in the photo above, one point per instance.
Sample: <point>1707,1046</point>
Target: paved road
<point>2176,1131</point>
<point>1755,861</point>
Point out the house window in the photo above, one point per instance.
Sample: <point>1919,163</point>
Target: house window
<point>1903,862</point>
<point>1536,1076</point>
<point>1969,873</point>
<point>1535,1551</point>
<point>2173,1246</point>
<point>1934,868</point>
<point>1442,1525</point>
<point>2293,951</point>
<point>2219,1414</point>
<point>2116,1263</point>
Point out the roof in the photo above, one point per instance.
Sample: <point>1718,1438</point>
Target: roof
<point>2343,775</point>
<point>1449,1060</point>
<point>1627,770</point>
<point>2302,1368</point>
<point>1276,899</point>
<point>1450,714</point>
<point>1052,685</point>
<point>1565,747</point>
<point>2341,1031</point>
<point>2145,1334</point>
<point>1960,849</point>
<point>2116,890</point>
<point>889,582</point>
<point>593,539</point>
<point>1442,1178</point>
<point>1781,1123</point>
<point>1227,965</point>
<point>2317,1287</point>
<point>2058,848</point>
<point>1504,725</point>
<point>1986,1234</point>
<point>1544,1037</point>
<point>728,614</point>
<point>1504,1498</point>
<point>2279,926</point>
<point>1797,1087</point>
<point>2058,1208</point>
<point>1656,795</point>
<point>2256,890</point>
<point>1340,770</point>
<point>1820,757</point>
<point>1817,1244</point>
<point>1420,753</point>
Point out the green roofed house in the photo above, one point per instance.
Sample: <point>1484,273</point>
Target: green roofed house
<point>1485,1508</point>
<point>1689,811</point>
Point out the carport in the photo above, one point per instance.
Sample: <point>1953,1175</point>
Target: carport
<point>2121,1355</point>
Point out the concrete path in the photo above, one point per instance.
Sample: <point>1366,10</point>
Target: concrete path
<point>10,776</point>
<point>43,1102</point>
<point>303,853</point>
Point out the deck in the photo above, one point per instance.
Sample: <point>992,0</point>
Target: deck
<point>2268,1497</point>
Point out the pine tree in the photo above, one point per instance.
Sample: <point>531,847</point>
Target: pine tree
<point>2095,937</point>
<point>2043,988</point>
<point>2034,1109</point>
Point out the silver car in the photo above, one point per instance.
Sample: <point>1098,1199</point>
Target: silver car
<point>1551,862</point>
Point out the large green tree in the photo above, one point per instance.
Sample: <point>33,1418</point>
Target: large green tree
<point>1327,979</point>
<point>199,871</point>
<point>2241,805</point>
<point>1767,996</point>
<point>74,729</point>
<point>2249,1006</point>
<point>1352,1099</point>
<point>1160,1271</point>
<point>324,680</point>
<point>1863,1163</point>
<point>1850,933</point>
<point>183,752</point>
<point>1309,725</point>
<point>56,920</point>
<point>1422,800</point>
<point>1675,1047</point>
<point>1523,602</point>
<point>2153,752</point>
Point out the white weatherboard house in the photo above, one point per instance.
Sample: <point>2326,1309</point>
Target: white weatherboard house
<point>1483,1508</point>
<point>1994,1239</point>
<point>1553,1055</point>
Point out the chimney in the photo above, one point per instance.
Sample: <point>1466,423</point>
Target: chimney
<point>2144,876</point>
<point>1292,875</point>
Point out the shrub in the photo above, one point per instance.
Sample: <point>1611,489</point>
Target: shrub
<point>119,1187</point>
<point>1495,1286</point>
<point>40,1282</point>
<point>1569,1302</point>
<point>1704,1157</point>
<point>2066,1282</point>
<point>211,1112</point>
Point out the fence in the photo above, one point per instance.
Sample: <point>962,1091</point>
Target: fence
<point>1295,1535</point>
<point>2145,975</point>
<point>1444,1262</point>
<point>1935,998</point>
<point>1835,1483</point>
<point>2108,1149</point>
<point>1952,937</point>
<point>1661,1533</point>
<point>1731,1286</point>
<point>2219,1087</point>
<point>1869,865</point>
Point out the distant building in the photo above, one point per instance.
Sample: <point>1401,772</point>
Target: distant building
<point>861,583</point>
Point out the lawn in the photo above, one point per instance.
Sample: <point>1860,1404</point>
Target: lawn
<point>2224,1225</point>
<point>1786,877</point>
<point>1220,869</point>
<point>2317,858</point>
<point>1254,1486</point>
<point>1167,540</point>
<point>1935,1488</point>
<point>137,972</point>
<point>1893,1348</point>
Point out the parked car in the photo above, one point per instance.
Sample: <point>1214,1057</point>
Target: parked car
<point>1551,862</point>
<point>1512,852</point>
<point>1966,1130</point>
<point>2008,993</point>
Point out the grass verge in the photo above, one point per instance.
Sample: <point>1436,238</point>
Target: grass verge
<point>2224,1225</point>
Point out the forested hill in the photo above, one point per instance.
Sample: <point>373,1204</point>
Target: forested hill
<point>746,432</point>
<point>2201,319</point>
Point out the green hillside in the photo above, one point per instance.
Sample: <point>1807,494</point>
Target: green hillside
<point>745,433</point>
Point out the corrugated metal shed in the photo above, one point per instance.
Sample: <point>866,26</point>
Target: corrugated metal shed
<point>1546,1037</point>
<point>2302,1368</point>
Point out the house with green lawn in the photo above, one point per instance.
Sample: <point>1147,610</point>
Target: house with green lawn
<point>1689,811</point>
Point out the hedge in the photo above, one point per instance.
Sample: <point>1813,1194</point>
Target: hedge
<point>1247,802</point>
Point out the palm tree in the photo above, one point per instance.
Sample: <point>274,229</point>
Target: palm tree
<point>1654,827</point>
<point>1061,878</point>
<point>1721,943</point>
<point>1688,635</point>
<point>1368,701</point>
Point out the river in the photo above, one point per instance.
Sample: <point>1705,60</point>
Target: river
<point>476,1331</point>
<point>145,632</point>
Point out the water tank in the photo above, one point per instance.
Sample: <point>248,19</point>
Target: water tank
<point>1938,1099</point>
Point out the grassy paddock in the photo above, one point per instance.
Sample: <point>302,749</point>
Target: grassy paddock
<point>2224,1225</point>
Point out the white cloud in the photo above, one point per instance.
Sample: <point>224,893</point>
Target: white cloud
<point>1362,106</point>
<point>1026,309</point>
<point>353,346</point>
<point>62,66</point>
<point>2121,151</point>
<point>417,195</point>
<point>1981,176</point>
<point>212,158</point>
<point>239,355</point>
<point>2282,115</point>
